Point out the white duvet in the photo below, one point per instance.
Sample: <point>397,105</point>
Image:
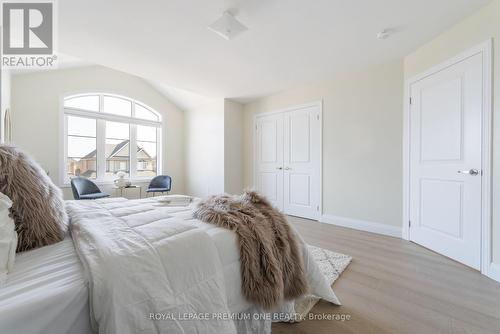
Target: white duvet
<point>154,269</point>
<point>8,238</point>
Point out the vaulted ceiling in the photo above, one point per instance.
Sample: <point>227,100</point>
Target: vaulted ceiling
<point>289,42</point>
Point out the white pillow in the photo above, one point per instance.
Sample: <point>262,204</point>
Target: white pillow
<point>8,238</point>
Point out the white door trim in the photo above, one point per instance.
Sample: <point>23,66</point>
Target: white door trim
<point>486,50</point>
<point>318,104</point>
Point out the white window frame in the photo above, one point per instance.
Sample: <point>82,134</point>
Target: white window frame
<point>101,117</point>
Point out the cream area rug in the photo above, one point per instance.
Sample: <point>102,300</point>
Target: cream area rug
<point>332,265</point>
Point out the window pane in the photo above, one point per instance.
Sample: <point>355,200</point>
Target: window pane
<point>144,113</point>
<point>117,148</point>
<point>146,159</point>
<point>146,133</point>
<point>80,126</point>
<point>89,102</point>
<point>81,159</point>
<point>117,106</point>
<point>116,130</point>
<point>82,141</point>
<point>80,147</point>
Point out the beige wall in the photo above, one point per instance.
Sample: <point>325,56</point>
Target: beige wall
<point>5,83</point>
<point>362,138</point>
<point>214,146</point>
<point>472,31</point>
<point>36,114</point>
<point>233,147</point>
<point>205,149</point>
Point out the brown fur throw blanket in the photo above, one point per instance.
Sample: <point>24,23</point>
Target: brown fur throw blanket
<point>38,208</point>
<point>271,265</point>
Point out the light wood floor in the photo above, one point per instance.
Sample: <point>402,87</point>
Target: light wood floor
<point>394,286</point>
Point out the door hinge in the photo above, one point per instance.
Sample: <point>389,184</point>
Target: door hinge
<point>409,223</point>
<point>317,117</point>
<point>411,101</point>
<point>317,208</point>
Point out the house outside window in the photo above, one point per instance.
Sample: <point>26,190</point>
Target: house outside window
<point>105,134</point>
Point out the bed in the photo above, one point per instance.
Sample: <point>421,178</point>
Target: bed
<point>60,288</point>
<point>46,293</point>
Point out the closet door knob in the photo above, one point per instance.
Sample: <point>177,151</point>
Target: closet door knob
<point>279,168</point>
<point>472,172</point>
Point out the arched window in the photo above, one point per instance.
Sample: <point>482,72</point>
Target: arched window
<point>105,134</point>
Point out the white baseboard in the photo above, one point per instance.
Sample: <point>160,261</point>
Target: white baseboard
<point>494,272</point>
<point>362,225</point>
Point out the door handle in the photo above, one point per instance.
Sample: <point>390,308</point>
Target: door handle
<point>471,172</point>
<point>279,168</point>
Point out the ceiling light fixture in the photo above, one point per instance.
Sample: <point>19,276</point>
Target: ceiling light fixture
<point>227,26</point>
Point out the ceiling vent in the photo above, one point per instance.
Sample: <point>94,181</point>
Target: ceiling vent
<point>227,26</point>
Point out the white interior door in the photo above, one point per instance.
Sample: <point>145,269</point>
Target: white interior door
<point>287,160</point>
<point>269,158</point>
<point>445,161</point>
<point>301,170</point>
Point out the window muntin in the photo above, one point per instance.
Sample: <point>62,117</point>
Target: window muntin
<point>98,142</point>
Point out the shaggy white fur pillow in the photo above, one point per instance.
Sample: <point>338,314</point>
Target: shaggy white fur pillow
<point>38,208</point>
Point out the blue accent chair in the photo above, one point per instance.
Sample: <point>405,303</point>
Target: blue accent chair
<point>85,189</point>
<point>160,184</point>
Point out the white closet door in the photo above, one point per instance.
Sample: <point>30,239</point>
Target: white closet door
<point>269,158</point>
<point>445,161</point>
<point>301,169</point>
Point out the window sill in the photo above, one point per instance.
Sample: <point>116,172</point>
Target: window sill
<point>110,182</point>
